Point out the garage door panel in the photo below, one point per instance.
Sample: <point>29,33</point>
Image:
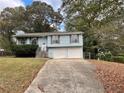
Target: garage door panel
<point>60,53</point>
<point>74,53</point>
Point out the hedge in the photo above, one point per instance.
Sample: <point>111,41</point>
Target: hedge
<point>119,59</point>
<point>24,50</point>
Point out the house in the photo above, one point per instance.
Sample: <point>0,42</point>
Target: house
<point>55,44</point>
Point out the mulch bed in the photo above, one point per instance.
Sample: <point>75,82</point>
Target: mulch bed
<point>111,75</point>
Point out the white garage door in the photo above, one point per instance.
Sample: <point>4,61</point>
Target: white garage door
<point>65,53</point>
<point>60,53</point>
<point>75,53</point>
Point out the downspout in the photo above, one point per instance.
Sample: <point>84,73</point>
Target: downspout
<point>82,47</point>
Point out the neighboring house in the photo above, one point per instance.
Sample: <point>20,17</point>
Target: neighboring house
<point>56,44</point>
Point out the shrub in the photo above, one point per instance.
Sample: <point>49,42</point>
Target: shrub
<point>101,56</point>
<point>24,50</point>
<point>119,59</point>
<point>107,56</point>
<point>5,43</point>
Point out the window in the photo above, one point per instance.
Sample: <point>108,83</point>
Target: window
<point>55,40</point>
<point>34,41</point>
<point>22,41</point>
<point>74,39</point>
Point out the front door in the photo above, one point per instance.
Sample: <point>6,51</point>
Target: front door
<point>42,40</point>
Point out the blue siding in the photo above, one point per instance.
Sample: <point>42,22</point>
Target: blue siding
<point>65,42</point>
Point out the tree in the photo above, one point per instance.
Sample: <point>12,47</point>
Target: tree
<point>108,37</point>
<point>11,19</point>
<point>4,43</point>
<point>42,16</point>
<point>37,17</point>
<point>89,15</point>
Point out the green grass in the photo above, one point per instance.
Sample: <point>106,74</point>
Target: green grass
<point>17,73</point>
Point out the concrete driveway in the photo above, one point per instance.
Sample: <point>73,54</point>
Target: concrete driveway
<point>66,76</point>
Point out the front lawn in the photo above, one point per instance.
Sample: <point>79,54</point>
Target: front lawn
<point>16,74</point>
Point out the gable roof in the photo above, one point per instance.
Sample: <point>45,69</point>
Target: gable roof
<point>47,34</point>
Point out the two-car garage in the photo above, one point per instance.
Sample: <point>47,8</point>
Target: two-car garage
<point>65,52</point>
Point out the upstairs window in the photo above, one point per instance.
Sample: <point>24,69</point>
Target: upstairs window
<point>55,40</point>
<point>74,39</point>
